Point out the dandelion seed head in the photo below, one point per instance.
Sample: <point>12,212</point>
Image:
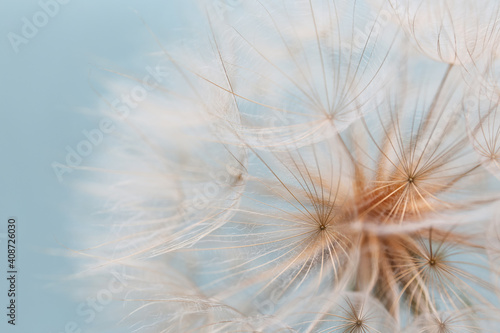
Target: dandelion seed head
<point>307,171</point>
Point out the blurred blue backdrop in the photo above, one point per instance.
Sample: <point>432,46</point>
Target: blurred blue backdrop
<point>45,85</point>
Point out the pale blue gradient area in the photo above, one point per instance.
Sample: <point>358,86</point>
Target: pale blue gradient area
<point>43,89</point>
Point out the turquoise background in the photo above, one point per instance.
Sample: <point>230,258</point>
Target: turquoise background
<point>44,88</point>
